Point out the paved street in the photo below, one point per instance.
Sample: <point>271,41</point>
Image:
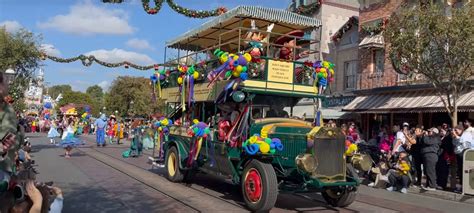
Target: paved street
<point>100,180</point>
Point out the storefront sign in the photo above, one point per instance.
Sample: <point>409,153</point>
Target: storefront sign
<point>280,71</point>
<point>337,101</point>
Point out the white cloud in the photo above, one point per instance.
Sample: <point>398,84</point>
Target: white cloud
<point>88,19</point>
<point>119,55</point>
<point>79,85</point>
<point>105,85</point>
<point>50,49</point>
<point>11,26</point>
<point>140,44</point>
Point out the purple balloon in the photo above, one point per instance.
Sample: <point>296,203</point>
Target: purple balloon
<point>242,60</point>
<point>162,77</point>
<point>276,140</point>
<point>201,125</point>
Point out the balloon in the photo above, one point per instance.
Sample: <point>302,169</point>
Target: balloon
<point>180,80</point>
<point>252,149</point>
<point>224,58</point>
<point>320,75</point>
<point>195,121</point>
<point>325,74</point>
<point>323,70</point>
<point>244,76</point>
<point>264,148</point>
<point>236,74</point>
<point>238,96</point>
<point>268,141</point>
<point>164,122</point>
<point>242,61</point>
<point>162,77</point>
<point>276,140</point>
<point>325,64</point>
<point>238,68</point>
<point>196,75</point>
<point>247,57</point>
<point>244,69</point>
<point>318,70</point>
<point>228,74</point>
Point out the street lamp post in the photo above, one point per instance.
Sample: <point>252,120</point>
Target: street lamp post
<point>10,75</point>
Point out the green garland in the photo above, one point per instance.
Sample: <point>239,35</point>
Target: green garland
<point>154,10</point>
<point>353,21</point>
<point>373,28</point>
<point>88,60</point>
<point>181,10</point>
<point>308,9</point>
<point>195,13</point>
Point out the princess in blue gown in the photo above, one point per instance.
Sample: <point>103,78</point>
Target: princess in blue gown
<point>69,141</point>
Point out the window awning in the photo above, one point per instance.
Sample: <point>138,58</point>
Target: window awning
<point>407,102</point>
<point>372,41</point>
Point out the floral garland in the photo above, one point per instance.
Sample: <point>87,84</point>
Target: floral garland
<point>353,21</point>
<point>88,60</point>
<point>308,9</point>
<point>181,10</point>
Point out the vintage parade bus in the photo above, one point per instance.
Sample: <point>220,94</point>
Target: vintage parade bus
<point>230,86</point>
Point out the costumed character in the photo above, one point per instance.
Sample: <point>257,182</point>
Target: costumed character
<point>255,41</point>
<point>33,125</point>
<point>68,141</point>
<point>53,133</point>
<point>289,45</point>
<point>110,129</point>
<point>136,145</point>
<point>148,138</point>
<point>119,129</point>
<point>100,126</point>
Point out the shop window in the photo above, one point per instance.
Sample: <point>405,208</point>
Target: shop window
<point>379,61</point>
<point>350,74</point>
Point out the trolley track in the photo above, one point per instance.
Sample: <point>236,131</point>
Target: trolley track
<point>152,187</point>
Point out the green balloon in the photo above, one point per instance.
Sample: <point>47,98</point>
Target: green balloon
<point>272,151</point>
<point>228,74</point>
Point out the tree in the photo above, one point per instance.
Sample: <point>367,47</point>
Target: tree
<point>95,92</point>
<point>19,51</point>
<point>80,99</point>
<point>55,90</point>
<point>425,40</point>
<point>130,95</point>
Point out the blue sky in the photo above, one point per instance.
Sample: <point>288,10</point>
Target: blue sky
<point>111,32</point>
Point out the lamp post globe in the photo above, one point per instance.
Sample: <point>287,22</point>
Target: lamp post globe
<point>10,75</point>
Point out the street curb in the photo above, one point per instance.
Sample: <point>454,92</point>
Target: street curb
<point>194,199</point>
<point>445,195</point>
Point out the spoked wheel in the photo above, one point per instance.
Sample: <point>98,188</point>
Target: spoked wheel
<point>340,197</point>
<point>174,174</point>
<point>259,186</point>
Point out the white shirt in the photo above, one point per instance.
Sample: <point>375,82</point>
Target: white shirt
<point>402,138</point>
<point>467,138</point>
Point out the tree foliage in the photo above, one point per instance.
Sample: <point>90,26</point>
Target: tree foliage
<point>55,90</point>
<point>19,51</point>
<point>80,99</point>
<point>124,90</point>
<point>426,40</point>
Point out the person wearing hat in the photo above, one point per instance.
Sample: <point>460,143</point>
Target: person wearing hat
<point>403,139</point>
<point>100,126</point>
<point>429,150</point>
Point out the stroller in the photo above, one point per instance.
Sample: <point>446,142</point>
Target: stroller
<point>136,146</point>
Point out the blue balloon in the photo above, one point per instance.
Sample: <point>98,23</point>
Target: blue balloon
<point>252,149</point>
<point>48,105</point>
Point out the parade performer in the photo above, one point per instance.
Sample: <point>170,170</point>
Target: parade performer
<point>33,125</point>
<point>53,133</point>
<point>110,129</point>
<point>68,141</point>
<point>147,139</point>
<point>118,130</point>
<point>100,125</point>
<point>136,146</point>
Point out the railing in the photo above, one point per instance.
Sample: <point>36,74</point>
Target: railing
<point>233,42</point>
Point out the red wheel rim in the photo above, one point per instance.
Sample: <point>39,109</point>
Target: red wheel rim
<point>253,185</point>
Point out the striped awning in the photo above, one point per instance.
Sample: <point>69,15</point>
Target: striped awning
<point>407,102</point>
<point>376,41</point>
<point>284,20</point>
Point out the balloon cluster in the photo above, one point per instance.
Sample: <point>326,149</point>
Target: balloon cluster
<point>261,143</point>
<point>87,113</point>
<point>47,114</point>
<point>187,71</point>
<point>163,125</point>
<point>351,148</point>
<point>236,65</point>
<point>323,74</point>
<point>158,75</point>
<point>199,129</point>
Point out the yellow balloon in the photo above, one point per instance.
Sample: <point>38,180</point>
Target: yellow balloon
<point>264,133</point>
<point>160,129</point>
<point>326,64</point>
<point>180,80</point>
<point>196,75</point>
<point>236,74</point>
<point>253,139</point>
<point>238,68</point>
<point>325,74</point>
<point>323,70</point>
<point>165,122</point>
<point>264,148</point>
<point>235,57</point>
<point>332,71</point>
<point>247,57</point>
<point>195,121</point>
<point>224,58</point>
